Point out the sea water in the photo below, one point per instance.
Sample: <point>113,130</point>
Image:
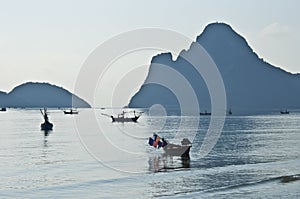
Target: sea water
<point>256,156</point>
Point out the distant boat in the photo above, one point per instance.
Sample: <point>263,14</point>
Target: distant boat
<point>46,126</point>
<point>3,109</point>
<point>124,117</point>
<point>285,112</point>
<point>229,112</point>
<point>70,112</point>
<point>205,113</point>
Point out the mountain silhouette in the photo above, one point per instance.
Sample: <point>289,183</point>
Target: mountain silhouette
<point>252,85</point>
<point>30,95</point>
<point>3,99</point>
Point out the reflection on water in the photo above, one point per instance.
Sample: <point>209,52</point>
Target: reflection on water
<point>46,133</point>
<point>162,163</point>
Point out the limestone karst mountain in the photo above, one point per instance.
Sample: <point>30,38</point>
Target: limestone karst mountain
<point>251,84</point>
<point>30,95</point>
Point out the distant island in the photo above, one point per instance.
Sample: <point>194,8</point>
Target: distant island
<point>252,85</point>
<point>37,95</point>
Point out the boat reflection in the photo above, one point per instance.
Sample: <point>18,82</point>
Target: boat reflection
<point>165,163</point>
<point>46,133</point>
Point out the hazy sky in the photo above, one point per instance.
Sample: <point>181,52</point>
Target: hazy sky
<point>48,41</point>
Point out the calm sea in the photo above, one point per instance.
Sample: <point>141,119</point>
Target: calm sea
<point>255,157</point>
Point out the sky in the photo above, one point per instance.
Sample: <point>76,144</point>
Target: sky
<point>48,41</point>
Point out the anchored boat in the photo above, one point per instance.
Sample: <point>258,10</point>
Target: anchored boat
<point>46,126</point>
<point>229,112</point>
<point>205,113</point>
<point>71,112</point>
<point>285,112</point>
<point>126,117</point>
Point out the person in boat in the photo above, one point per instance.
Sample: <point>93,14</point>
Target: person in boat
<point>185,141</point>
<point>164,142</point>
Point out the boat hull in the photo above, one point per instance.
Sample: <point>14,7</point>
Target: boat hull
<point>177,150</point>
<point>46,126</point>
<point>205,113</point>
<point>70,112</point>
<point>285,112</point>
<point>124,119</point>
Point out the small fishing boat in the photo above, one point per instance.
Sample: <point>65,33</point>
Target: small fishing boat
<point>285,112</point>
<point>229,112</point>
<point>71,112</point>
<point>3,109</point>
<point>182,150</point>
<point>126,117</point>
<point>205,113</point>
<point>46,126</point>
